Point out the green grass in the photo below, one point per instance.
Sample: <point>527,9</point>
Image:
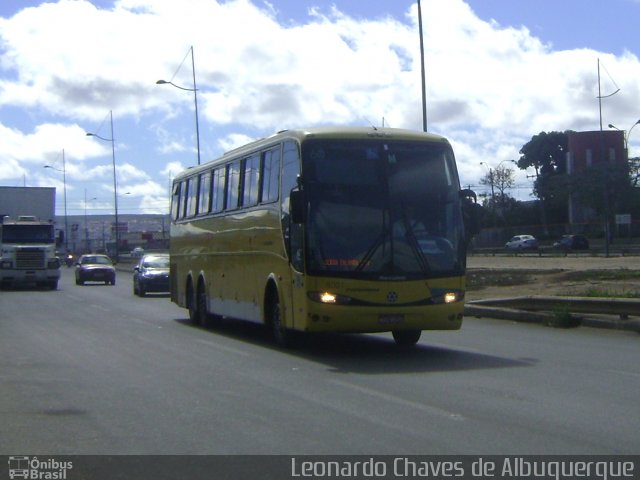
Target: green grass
<point>611,275</point>
<point>601,293</point>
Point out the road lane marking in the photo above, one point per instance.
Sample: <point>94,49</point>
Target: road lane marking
<point>224,348</point>
<point>625,372</point>
<point>401,401</point>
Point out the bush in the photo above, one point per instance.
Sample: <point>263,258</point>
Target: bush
<point>563,318</point>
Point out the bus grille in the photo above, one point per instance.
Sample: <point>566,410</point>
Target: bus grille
<point>29,258</point>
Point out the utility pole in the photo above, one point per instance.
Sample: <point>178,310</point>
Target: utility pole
<point>424,83</point>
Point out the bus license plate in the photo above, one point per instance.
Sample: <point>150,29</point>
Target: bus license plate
<point>390,319</point>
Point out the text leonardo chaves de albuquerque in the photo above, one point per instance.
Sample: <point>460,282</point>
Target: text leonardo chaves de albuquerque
<point>509,467</point>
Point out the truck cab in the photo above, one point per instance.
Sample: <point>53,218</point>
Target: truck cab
<point>28,252</point>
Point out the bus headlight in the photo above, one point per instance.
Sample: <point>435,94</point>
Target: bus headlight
<point>445,295</point>
<point>329,298</point>
<point>450,297</point>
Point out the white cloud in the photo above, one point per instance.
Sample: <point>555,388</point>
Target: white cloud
<point>172,169</point>
<point>234,140</point>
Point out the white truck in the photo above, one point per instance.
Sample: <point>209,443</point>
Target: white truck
<point>28,252</point>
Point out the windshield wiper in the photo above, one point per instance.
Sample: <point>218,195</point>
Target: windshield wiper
<point>379,241</point>
<point>423,263</point>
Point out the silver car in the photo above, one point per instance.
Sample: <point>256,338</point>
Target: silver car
<point>522,242</point>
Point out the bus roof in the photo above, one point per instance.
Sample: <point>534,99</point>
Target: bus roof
<point>319,132</point>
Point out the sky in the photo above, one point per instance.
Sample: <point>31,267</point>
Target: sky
<point>498,72</point>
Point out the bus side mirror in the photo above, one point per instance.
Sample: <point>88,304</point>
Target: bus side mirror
<point>297,206</point>
<point>470,212</point>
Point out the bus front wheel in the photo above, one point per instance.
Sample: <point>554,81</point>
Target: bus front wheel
<point>406,338</point>
<point>281,335</point>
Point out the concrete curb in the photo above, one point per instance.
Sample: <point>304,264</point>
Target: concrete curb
<point>547,318</point>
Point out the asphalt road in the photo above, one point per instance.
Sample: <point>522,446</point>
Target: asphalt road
<point>94,370</point>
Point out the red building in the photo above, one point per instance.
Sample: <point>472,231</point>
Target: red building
<point>587,149</point>
<point>590,148</point>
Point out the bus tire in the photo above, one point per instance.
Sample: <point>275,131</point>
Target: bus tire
<point>191,303</point>
<point>198,308</point>
<point>281,335</point>
<point>406,338</point>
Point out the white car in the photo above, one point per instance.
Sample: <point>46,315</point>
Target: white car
<point>522,242</point>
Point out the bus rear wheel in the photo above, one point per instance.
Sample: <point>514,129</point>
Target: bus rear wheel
<point>406,338</point>
<point>192,305</point>
<point>198,313</point>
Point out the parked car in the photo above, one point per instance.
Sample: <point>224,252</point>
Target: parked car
<point>95,268</point>
<point>572,242</point>
<point>151,274</point>
<point>522,242</point>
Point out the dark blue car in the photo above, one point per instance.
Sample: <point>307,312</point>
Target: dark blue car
<point>151,274</point>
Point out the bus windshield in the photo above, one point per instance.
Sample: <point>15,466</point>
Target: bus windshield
<point>382,209</point>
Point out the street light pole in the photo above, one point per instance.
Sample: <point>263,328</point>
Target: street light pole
<point>115,181</point>
<point>86,224</point>
<point>64,183</point>
<point>625,135</point>
<point>195,98</point>
<point>424,86</point>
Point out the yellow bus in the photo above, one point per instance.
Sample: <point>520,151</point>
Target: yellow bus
<point>333,229</point>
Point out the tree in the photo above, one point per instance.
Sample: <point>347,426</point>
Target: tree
<point>634,171</point>
<point>500,178</point>
<point>545,152</point>
<point>606,189</point>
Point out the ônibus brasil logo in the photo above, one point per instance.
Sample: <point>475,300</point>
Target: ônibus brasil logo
<point>33,468</point>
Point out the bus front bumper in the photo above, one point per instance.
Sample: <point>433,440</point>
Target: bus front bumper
<point>349,319</point>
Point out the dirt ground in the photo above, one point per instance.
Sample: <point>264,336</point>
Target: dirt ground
<point>513,276</point>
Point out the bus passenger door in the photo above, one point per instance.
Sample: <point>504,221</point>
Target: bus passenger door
<point>298,290</point>
<point>293,232</point>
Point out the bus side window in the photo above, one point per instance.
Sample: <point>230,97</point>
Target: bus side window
<point>204,196</point>
<point>292,231</point>
<point>233,185</point>
<point>218,185</point>
<point>175,201</point>
<point>192,197</point>
<point>251,181</point>
<point>290,173</point>
<point>184,198</point>
<point>270,175</point>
